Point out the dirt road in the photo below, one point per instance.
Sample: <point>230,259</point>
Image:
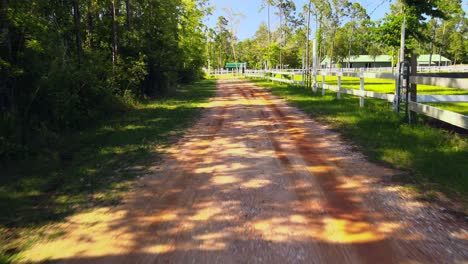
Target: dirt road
<point>256,181</point>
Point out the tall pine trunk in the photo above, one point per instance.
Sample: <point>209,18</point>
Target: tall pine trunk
<point>114,33</point>
<point>129,14</point>
<point>350,47</point>
<point>90,19</point>
<point>281,36</point>
<point>269,29</point>
<point>77,19</point>
<point>308,46</point>
<point>431,45</point>
<point>6,94</point>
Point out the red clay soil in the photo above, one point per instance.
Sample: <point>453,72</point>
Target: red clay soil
<point>257,181</point>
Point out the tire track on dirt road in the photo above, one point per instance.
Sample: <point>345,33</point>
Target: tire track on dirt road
<point>336,203</point>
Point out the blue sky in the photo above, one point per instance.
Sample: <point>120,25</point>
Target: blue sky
<point>254,17</point>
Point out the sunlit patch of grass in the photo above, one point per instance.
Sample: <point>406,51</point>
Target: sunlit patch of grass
<point>226,76</point>
<point>93,168</point>
<point>383,85</point>
<point>430,155</point>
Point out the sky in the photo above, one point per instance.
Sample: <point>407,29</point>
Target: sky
<point>254,16</point>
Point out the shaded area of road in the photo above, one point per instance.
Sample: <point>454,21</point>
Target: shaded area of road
<point>256,181</point>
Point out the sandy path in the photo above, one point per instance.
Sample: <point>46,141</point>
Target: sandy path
<point>256,181</point>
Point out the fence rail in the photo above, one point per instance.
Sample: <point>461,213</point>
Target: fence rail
<point>439,81</point>
<point>422,69</point>
<point>450,117</point>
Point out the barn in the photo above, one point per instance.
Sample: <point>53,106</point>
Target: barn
<point>379,61</point>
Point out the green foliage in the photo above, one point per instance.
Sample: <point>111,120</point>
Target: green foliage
<point>65,64</point>
<point>343,29</point>
<point>92,168</point>
<point>272,55</point>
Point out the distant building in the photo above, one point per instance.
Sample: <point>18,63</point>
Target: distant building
<point>423,60</point>
<point>379,61</point>
<point>236,65</point>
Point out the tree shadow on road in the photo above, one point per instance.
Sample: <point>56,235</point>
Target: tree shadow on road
<point>254,182</point>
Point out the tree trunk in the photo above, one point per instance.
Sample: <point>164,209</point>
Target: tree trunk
<point>440,49</point>
<point>90,26</point>
<point>269,29</point>
<point>6,94</point>
<point>114,33</point>
<point>350,46</point>
<point>4,30</point>
<point>281,37</point>
<point>431,45</point>
<point>233,51</point>
<point>129,15</point>
<point>318,36</point>
<point>307,81</point>
<point>332,49</point>
<point>414,70</point>
<point>77,19</point>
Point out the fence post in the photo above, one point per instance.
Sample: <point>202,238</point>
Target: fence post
<point>361,99</point>
<point>323,83</point>
<point>338,95</point>
<point>303,77</point>
<point>315,83</point>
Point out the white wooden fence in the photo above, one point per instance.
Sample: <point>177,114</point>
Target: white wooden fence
<point>270,75</point>
<point>435,69</point>
<point>450,117</point>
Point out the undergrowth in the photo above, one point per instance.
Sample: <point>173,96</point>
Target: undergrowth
<point>90,169</point>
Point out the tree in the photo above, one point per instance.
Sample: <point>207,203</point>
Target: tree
<point>286,10</point>
<point>66,63</point>
<point>268,4</point>
<point>233,19</point>
<point>357,15</point>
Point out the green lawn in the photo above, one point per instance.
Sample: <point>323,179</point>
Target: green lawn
<point>433,157</point>
<point>461,108</point>
<point>97,167</point>
<point>380,85</point>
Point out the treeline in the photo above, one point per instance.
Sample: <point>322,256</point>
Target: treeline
<point>65,63</point>
<point>343,28</point>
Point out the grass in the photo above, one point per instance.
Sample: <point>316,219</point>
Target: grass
<point>94,168</point>
<point>381,85</point>
<point>225,76</point>
<point>435,158</point>
<point>461,108</point>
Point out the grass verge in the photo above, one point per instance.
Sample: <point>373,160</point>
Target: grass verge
<point>436,159</point>
<point>94,168</point>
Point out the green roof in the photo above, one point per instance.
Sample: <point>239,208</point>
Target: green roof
<point>369,58</point>
<point>236,64</point>
<point>435,57</point>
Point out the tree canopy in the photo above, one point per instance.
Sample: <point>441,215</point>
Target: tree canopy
<point>65,63</point>
<point>343,28</point>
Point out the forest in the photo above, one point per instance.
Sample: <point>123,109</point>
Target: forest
<point>342,29</point>
<point>67,63</point>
